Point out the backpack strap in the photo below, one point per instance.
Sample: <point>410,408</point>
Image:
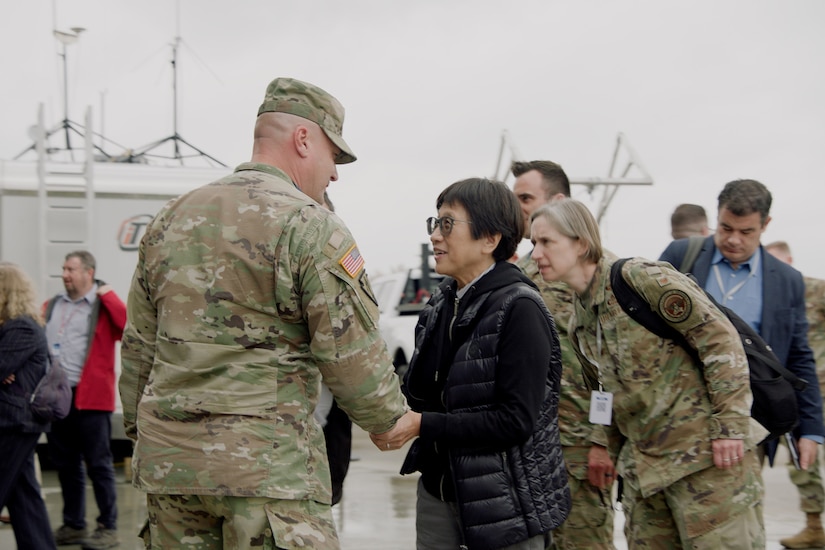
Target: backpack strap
<point>640,311</point>
<point>49,308</point>
<point>638,308</point>
<point>695,243</point>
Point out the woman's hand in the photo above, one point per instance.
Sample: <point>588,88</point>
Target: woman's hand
<point>600,469</point>
<point>407,427</point>
<point>727,452</point>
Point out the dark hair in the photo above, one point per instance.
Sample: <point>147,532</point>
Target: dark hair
<point>86,258</point>
<point>744,197</point>
<point>552,175</point>
<point>492,208</point>
<point>688,213</point>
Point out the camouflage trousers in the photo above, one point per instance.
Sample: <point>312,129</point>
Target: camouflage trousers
<point>809,484</point>
<point>708,510</point>
<point>215,522</point>
<point>590,522</point>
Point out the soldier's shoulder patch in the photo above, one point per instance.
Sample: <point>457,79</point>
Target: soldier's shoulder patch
<point>652,269</point>
<point>656,273</point>
<point>338,240</point>
<point>352,261</point>
<point>675,305</point>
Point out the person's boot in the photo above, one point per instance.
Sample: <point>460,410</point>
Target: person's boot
<point>812,536</point>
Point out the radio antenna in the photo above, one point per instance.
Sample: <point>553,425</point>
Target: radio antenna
<point>175,138</point>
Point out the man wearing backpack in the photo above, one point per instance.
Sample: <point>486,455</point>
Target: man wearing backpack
<point>82,326</point>
<point>768,294</point>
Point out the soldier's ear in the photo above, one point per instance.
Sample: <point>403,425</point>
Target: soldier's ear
<point>583,248</point>
<point>300,139</point>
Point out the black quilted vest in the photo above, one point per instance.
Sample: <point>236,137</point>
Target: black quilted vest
<point>507,497</point>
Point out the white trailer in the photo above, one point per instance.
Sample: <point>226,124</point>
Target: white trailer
<point>48,209</point>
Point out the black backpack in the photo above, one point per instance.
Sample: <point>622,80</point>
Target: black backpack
<point>773,386</point>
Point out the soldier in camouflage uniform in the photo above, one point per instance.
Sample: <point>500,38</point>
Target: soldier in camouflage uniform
<point>247,294</point>
<point>590,471</point>
<point>679,428</point>
<point>809,482</point>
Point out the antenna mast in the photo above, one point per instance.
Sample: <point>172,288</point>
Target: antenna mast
<point>175,138</point>
<point>175,45</point>
<point>67,126</point>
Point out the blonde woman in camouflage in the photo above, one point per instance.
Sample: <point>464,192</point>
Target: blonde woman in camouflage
<point>679,429</point>
<point>591,519</point>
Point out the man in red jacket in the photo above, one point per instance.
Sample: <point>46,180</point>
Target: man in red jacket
<point>82,326</point>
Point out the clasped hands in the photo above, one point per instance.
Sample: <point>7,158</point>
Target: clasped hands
<point>407,427</point>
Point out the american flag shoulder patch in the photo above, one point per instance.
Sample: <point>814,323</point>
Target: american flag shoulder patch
<point>352,261</point>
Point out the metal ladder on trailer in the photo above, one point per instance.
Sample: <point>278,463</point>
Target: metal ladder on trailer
<point>65,216</point>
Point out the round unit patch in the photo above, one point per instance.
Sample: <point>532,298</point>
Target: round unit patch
<point>675,306</point>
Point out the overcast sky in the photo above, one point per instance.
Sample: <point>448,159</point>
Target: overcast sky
<point>705,91</point>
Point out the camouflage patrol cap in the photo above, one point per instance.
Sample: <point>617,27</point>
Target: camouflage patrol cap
<point>288,95</point>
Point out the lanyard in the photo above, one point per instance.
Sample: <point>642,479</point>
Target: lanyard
<point>69,310</point>
<point>598,351</point>
<point>727,294</point>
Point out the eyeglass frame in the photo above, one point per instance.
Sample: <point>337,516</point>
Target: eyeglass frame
<point>434,223</point>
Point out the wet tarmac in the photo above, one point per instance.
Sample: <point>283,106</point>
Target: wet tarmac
<point>377,510</point>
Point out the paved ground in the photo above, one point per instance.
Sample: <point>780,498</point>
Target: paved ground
<point>378,508</point>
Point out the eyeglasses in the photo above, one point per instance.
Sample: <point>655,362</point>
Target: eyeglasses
<point>445,224</point>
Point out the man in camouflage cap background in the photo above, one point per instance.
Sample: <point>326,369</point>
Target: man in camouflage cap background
<point>809,482</point>
<point>247,294</point>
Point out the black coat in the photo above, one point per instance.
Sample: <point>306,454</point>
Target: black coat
<point>487,383</point>
<point>23,352</point>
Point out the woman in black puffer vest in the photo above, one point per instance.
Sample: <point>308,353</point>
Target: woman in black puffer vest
<point>485,378</point>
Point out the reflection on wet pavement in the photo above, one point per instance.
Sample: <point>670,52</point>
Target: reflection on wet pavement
<point>377,510</point>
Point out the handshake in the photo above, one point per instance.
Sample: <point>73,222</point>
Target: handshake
<point>407,427</point>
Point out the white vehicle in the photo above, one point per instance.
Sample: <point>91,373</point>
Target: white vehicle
<point>49,209</point>
<point>401,296</point>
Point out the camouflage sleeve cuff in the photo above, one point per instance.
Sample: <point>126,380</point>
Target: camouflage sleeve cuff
<point>598,436</point>
<point>730,427</point>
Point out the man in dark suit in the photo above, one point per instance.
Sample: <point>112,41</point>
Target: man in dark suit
<point>768,294</point>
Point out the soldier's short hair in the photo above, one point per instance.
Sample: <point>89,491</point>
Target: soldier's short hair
<point>744,197</point>
<point>553,177</point>
<point>687,213</point>
<point>492,208</point>
<point>781,246</point>
<point>574,220</point>
<point>688,219</point>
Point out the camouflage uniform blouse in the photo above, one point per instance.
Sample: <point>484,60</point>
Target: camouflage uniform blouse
<point>246,293</point>
<point>577,433</point>
<point>666,407</point>
<point>815,312</point>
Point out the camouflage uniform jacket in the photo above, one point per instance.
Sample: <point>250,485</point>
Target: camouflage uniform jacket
<point>246,293</point>
<point>574,403</point>
<point>815,312</point>
<point>666,407</point>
